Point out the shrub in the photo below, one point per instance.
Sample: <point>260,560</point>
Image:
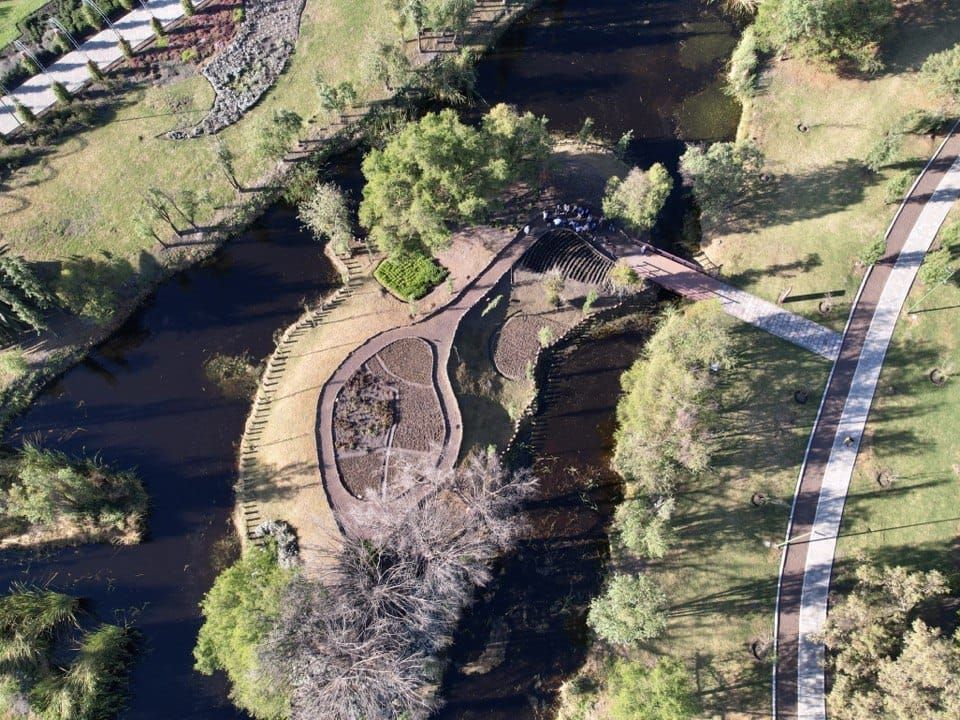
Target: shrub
<point>23,113</point>
<point>89,286</point>
<point>24,301</point>
<point>942,70</point>
<point>235,375</point>
<point>622,146</point>
<point>623,277</point>
<point>553,285</point>
<point>884,150</point>
<point>874,252</point>
<point>742,73</point>
<point>895,189</point>
<point>631,609</point>
<point>545,336</point>
<point>238,15</point>
<point>46,487</point>
<point>157,27</point>
<point>840,32</point>
<point>94,71</point>
<point>189,55</point>
<point>590,301</point>
<point>275,134</point>
<point>60,92</point>
<point>12,365</point>
<point>638,199</point>
<point>410,275</point>
<point>664,692</point>
<point>238,612</point>
<point>188,8</point>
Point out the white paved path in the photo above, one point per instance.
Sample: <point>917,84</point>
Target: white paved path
<point>71,69</point>
<point>836,480</point>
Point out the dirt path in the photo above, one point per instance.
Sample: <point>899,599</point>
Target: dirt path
<point>818,503</point>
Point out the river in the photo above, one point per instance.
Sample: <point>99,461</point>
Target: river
<point>142,400</point>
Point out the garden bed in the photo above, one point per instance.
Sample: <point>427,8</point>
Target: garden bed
<point>410,359</point>
<point>410,276</point>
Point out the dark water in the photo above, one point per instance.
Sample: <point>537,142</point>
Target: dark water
<point>530,621</point>
<point>142,400</point>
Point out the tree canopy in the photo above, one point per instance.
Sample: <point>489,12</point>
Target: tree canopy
<point>840,32</point>
<point>942,69</point>
<point>723,175</point>
<point>631,609</point>
<point>663,692</point>
<point>886,662</point>
<point>438,172</point>
<point>23,299</point>
<point>638,199</point>
<point>325,213</point>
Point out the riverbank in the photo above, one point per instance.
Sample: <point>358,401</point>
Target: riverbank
<point>66,187</point>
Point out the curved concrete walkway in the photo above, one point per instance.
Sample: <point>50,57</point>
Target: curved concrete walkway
<point>102,48</point>
<point>817,512</point>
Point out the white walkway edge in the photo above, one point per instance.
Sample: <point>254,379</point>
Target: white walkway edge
<point>811,703</point>
<point>71,69</point>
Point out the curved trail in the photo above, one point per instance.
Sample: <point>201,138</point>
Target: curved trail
<point>807,564</point>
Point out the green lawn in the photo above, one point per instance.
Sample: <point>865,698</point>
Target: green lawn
<point>720,575</point>
<point>822,207</point>
<point>82,198</point>
<point>12,12</point>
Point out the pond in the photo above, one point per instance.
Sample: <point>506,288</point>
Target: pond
<point>142,400</point>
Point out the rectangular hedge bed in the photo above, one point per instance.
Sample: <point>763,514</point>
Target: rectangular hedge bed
<point>410,276</point>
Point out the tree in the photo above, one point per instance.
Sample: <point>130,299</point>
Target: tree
<point>238,612</point>
<point>94,71</point>
<point>638,199</point>
<point>225,159</point>
<point>664,418</point>
<point>874,654</point>
<point>623,277</point>
<point>156,26</point>
<point>24,113</point>
<point>553,284</point>
<point>125,47</point>
<point>631,609</point>
<point>325,213</point>
<point>840,32</point>
<point>664,692</point>
<point>723,176</point>
<point>188,8</point>
<point>275,136</point>
<point>389,65</point>
<point>645,527</point>
<point>361,641</point>
<point>439,171</point>
<point>60,92</point>
<point>24,301</point>
<point>942,70</point>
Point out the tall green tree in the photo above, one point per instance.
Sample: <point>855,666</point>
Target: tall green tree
<point>631,609</point>
<point>24,301</point>
<point>724,175</point>
<point>325,212</point>
<point>638,199</point>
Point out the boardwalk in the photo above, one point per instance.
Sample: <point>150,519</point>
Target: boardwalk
<point>825,476</point>
<point>71,69</point>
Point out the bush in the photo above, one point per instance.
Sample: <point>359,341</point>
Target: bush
<point>895,189</point>
<point>638,199</point>
<point>942,70</point>
<point>46,487</point>
<point>236,376</point>
<point>188,8</point>
<point>238,612</point>
<point>238,15</point>
<point>90,286</point>
<point>60,92</point>
<point>664,692</point>
<point>742,73</point>
<point>189,55</point>
<point>631,609</point>
<point>410,275</point>
<point>845,33</point>
<point>874,252</point>
<point>884,150</point>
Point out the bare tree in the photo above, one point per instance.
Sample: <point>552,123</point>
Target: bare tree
<point>361,641</point>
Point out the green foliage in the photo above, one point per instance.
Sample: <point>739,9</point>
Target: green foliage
<point>723,176</point>
<point>23,113</point>
<point>13,364</point>
<point>491,306</point>
<point>23,299</point>
<point>590,301</point>
<point>622,146</point>
<point>189,55</point>
<point>742,73</point>
<point>60,92</point>
<point>884,150</point>
<point>545,336</point>
<point>235,375</point>
<point>410,275</point>
<point>885,661</point>
<point>645,527</point>
<point>188,8</point>
<point>553,284</point>
<point>325,212</point>
<point>335,98</point>
<point>29,620</point>
<point>125,47</point>
<point>275,135</point>
<point>631,609</point>
<point>874,252</point>
<point>942,70</point>
<point>623,277</point>
<point>938,267</point>
<point>94,71</point>
<point>157,27</point>
<point>439,171</point>
<point>638,199</point>
<point>895,189</point>
<point>664,692</point>
<point>90,286</point>
<point>664,417</point>
<point>239,612</point>
<point>578,697</point>
<point>239,15</point>
<point>46,487</point>
<point>845,33</point>
<point>585,134</point>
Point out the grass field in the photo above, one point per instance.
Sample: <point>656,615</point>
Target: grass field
<point>823,207</point>
<point>82,199</point>
<point>12,12</point>
<point>720,575</point>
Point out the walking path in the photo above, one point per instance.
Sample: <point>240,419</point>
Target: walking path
<point>807,562</point>
<point>688,280</point>
<point>71,69</point>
